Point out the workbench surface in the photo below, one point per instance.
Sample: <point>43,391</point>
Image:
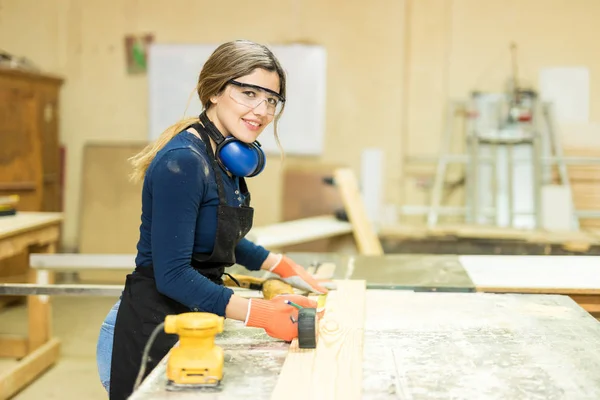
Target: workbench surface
<point>11,225</point>
<point>435,346</point>
<point>391,271</point>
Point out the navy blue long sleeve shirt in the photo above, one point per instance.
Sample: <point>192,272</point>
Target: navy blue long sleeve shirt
<point>179,205</point>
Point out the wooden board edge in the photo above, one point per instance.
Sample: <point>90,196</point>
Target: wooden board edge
<point>334,368</point>
<point>532,290</point>
<point>29,368</point>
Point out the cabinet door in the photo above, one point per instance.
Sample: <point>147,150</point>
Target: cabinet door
<point>48,120</point>
<point>20,158</point>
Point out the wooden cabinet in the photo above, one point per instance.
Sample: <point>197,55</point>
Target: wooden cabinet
<point>29,153</point>
<point>29,145</point>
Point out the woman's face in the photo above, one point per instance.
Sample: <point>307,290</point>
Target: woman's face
<point>246,106</point>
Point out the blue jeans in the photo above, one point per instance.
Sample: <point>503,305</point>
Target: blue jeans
<point>105,346</point>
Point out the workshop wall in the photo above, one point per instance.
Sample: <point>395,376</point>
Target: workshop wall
<point>457,46</point>
<point>83,41</point>
<point>392,65</point>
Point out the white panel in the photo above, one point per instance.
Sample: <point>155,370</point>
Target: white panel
<point>557,208</point>
<point>371,183</point>
<point>568,89</point>
<point>576,272</point>
<point>173,71</point>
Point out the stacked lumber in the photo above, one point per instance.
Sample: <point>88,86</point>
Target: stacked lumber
<point>585,184</point>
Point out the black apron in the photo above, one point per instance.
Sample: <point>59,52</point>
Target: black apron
<point>143,307</point>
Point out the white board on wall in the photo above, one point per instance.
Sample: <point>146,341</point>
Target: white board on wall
<point>568,89</point>
<point>173,71</point>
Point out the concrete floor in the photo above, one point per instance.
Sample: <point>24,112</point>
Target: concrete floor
<point>76,322</point>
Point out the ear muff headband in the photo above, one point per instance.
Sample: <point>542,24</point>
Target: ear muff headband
<point>233,155</point>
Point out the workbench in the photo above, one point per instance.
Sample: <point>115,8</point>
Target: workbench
<point>30,232</point>
<point>438,336</point>
<point>431,316</point>
<point>433,346</point>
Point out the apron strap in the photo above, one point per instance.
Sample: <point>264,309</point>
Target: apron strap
<point>213,160</point>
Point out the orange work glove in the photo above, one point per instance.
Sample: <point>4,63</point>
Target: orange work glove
<point>295,275</point>
<point>278,319</point>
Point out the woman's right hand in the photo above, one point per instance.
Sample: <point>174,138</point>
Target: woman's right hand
<point>276,317</point>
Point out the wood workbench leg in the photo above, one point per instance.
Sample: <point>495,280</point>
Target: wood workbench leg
<point>38,307</point>
<point>42,349</point>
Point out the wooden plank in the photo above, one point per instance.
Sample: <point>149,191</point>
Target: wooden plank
<point>366,238</point>
<point>13,346</point>
<point>334,369</point>
<point>589,302</point>
<point>534,274</point>
<point>591,308</point>
<point>586,298</point>
<point>28,369</point>
<point>299,231</point>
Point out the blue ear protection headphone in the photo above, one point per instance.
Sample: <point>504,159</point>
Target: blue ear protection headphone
<point>233,155</point>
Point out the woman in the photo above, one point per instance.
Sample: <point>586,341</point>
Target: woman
<point>195,214</point>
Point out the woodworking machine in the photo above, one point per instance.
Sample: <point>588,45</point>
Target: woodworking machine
<point>197,361</point>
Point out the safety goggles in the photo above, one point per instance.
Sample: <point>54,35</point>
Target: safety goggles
<point>252,96</point>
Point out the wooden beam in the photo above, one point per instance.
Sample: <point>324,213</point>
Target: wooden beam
<point>334,369</point>
<point>39,310</point>
<point>13,346</point>
<point>28,369</point>
<point>366,238</point>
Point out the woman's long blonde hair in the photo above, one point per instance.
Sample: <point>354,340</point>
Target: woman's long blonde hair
<point>230,60</point>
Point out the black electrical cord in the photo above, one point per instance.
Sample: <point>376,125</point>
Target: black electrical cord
<point>142,371</point>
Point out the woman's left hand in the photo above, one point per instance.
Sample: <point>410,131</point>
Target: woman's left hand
<point>295,275</point>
